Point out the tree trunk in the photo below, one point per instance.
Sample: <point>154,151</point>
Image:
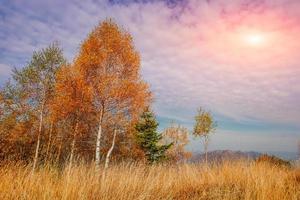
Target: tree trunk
<point>59,141</point>
<point>59,153</point>
<point>110,150</point>
<point>49,141</point>
<point>205,148</point>
<point>73,147</point>
<point>39,138</point>
<point>98,141</point>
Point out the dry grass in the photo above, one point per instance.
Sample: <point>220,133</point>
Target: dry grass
<point>239,180</point>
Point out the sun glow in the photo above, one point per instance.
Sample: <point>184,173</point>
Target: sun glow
<point>252,45</point>
<point>255,39</point>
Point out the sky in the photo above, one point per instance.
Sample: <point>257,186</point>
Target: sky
<point>239,59</point>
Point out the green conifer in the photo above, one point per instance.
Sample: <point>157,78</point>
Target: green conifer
<point>148,137</point>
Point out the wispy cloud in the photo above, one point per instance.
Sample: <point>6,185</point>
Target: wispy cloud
<point>190,50</point>
<point>5,70</point>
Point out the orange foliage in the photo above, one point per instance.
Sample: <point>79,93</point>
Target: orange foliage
<point>178,135</point>
<point>110,68</point>
<point>103,82</point>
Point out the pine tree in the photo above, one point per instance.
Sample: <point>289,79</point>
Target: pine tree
<point>148,138</point>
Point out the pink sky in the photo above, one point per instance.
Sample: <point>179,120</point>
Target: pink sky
<point>194,53</point>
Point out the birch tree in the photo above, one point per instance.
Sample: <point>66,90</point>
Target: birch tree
<point>108,155</point>
<point>71,93</point>
<point>204,126</point>
<point>110,66</point>
<point>37,79</point>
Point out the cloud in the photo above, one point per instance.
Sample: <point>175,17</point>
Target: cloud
<point>191,51</point>
<point>5,70</point>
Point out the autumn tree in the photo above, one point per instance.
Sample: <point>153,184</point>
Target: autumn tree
<point>110,67</point>
<point>179,137</point>
<point>204,126</point>
<point>37,80</point>
<point>74,96</point>
<point>16,123</point>
<point>149,139</point>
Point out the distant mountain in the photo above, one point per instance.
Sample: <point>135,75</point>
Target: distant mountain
<point>221,155</point>
<point>285,155</point>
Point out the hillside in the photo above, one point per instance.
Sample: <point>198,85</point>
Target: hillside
<point>223,155</point>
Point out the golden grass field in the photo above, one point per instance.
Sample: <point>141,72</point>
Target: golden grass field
<point>237,180</point>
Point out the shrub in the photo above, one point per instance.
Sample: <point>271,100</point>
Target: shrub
<point>273,160</point>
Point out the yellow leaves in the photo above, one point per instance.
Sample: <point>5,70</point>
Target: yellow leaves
<point>204,123</point>
<point>178,135</point>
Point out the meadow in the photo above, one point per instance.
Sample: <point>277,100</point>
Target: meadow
<point>230,180</point>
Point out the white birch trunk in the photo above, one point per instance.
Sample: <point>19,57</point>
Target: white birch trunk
<point>49,141</point>
<point>110,150</point>
<point>39,138</point>
<point>98,141</point>
<point>73,148</point>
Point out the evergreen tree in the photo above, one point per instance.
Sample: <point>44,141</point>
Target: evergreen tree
<point>148,137</point>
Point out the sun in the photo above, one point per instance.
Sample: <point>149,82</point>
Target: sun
<point>255,39</point>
